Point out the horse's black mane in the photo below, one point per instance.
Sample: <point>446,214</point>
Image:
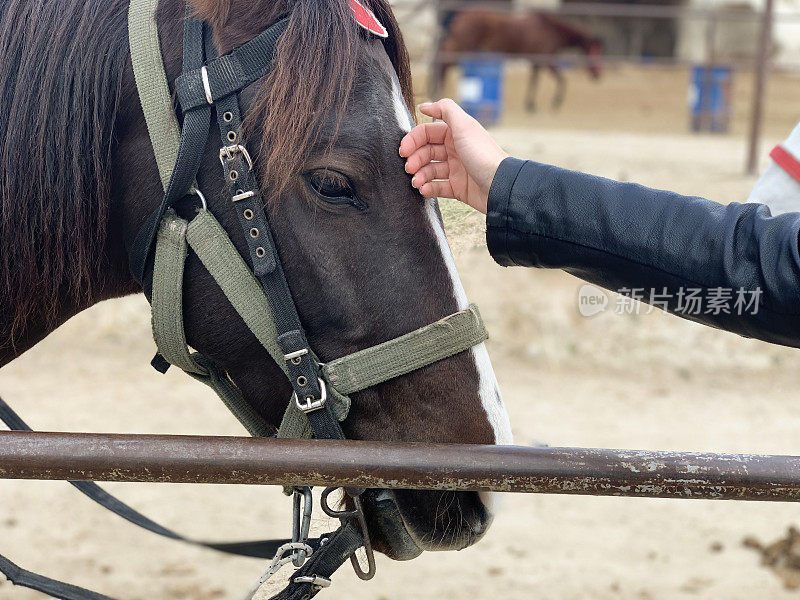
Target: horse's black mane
<point>61,68</point>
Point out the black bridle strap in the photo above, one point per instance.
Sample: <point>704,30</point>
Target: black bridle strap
<point>194,135</point>
<point>301,363</point>
<point>249,206</point>
<point>226,75</point>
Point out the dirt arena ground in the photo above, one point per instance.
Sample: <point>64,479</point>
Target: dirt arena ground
<point>648,381</point>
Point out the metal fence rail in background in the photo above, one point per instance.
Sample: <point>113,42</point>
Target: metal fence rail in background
<point>613,9</point>
<point>595,472</point>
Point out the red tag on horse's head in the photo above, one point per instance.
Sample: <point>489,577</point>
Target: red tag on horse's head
<point>367,19</point>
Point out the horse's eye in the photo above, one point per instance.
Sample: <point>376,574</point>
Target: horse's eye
<point>330,184</point>
<point>334,188</point>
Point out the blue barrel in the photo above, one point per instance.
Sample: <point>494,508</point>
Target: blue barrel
<point>710,98</point>
<point>480,91</point>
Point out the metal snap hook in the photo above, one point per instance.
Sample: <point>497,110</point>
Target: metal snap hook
<point>301,523</point>
<point>194,191</point>
<point>277,562</point>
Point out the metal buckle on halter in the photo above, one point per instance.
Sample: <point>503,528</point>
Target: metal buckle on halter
<point>230,152</point>
<point>315,580</point>
<point>309,403</point>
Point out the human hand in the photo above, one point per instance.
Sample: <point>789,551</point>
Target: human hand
<point>452,158</point>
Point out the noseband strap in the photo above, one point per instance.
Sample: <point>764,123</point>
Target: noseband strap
<point>408,353</point>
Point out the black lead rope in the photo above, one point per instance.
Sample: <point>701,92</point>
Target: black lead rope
<point>339,546</point>
<point>52,587</point>
<point>253,549</point>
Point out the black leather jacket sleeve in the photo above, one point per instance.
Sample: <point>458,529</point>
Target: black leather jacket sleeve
<point>624,236</point>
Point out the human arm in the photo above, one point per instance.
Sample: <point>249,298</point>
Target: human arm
<point>618,235</point>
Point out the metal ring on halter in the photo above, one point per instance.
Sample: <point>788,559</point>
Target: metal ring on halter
<point>362,521</point>
<point>195,192</point>
<point>334,514</point>
<point>358,514</point>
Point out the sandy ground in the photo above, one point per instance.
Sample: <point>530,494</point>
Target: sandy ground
<point>647,381</point>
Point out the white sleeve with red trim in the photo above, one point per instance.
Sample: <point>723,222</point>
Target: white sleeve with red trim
<point>779,184</point>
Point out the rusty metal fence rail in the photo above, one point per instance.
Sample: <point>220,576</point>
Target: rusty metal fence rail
<point>595,472</point>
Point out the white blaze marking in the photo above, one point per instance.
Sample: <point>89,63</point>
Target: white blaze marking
<point>488,389</point>
<point>404,120</point>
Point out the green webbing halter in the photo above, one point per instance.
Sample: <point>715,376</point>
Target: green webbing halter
<point>170,259</point>
<point>167,296</point>
<point>408,353</point>
<point>151,81</point>
<point>211,244</point>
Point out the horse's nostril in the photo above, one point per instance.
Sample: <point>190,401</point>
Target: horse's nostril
<point>478,528</point>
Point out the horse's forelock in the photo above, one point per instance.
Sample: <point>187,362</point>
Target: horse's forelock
<point>216,12</point>
<point>315,70</point>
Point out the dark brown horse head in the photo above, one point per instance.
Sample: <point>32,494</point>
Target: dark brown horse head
<point>365,256</point>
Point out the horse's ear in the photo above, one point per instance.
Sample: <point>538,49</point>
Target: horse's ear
<point>216,12</point>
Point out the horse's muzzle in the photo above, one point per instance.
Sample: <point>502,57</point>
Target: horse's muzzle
<point>404,523</point>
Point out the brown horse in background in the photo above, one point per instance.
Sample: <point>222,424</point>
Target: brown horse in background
<point>535,35</point>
